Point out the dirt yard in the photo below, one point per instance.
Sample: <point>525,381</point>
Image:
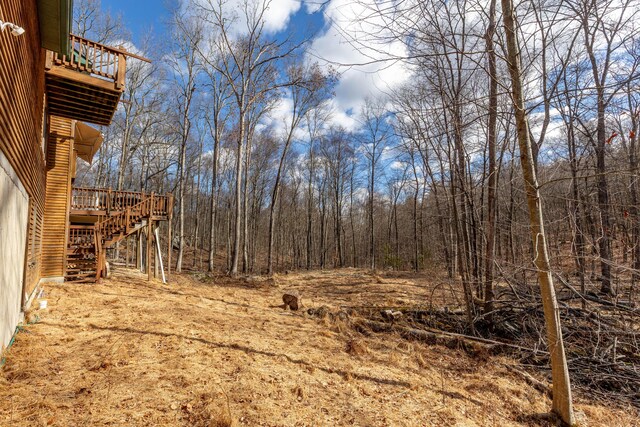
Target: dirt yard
<point>217,352</point>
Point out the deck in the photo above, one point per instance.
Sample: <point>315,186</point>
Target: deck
<point>87,84</point>
<point>100,218</point>
<point>90,205</point>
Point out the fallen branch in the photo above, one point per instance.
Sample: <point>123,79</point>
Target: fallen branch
<point>434,336</point>
<point>531,380</point>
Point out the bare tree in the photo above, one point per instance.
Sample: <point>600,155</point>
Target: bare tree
<point>309,87</point>
<point>374,141</point>
<point>91,21</point>
<point>606,25</point>
<point>493,169</point>
<point>247,59</point>
<point>562,402</point>
<point>187,35</point>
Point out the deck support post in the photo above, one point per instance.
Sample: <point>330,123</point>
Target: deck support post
<point>155,251</point>
<point>149,248</point>
<point>169,237</point>
<point>139,250</point>
<point>159,255</point>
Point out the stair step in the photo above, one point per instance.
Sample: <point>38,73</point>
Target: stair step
<point>80,254</point>
<point>81,279</point>
<point>84,280</point>
<point>81,265</point>
<point>79,275</point>
<point>81,249</point>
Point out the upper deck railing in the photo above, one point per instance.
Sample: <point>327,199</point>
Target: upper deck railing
<point>96,59</point>
<point>108,201</point>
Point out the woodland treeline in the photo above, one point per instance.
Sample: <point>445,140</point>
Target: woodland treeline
<point>239,126</point>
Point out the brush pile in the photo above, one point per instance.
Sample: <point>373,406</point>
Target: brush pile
<point>602,337</point>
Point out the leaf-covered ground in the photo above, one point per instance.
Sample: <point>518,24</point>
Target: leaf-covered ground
<point>206,351</point>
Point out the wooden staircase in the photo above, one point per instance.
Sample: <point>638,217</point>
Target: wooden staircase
<point>82,261</point>
<point>119,215</point>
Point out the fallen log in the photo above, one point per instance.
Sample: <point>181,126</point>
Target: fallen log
<point>531,380</point>
<point>449,339</point>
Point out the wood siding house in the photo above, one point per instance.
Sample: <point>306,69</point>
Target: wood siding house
<point>50,83</point>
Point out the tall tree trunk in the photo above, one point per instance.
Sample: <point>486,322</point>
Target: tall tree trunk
<point>245,204</point>
<point>461,217</point>
<point>604,243</point>
<point>416,266</point>
<point>354,258</point>
<point>196,226</point>
<point>562,402</point>
<point>372,249</point>
<point>323,216</point>
<point>599,76</point>
<point>274,201</point>
<point>633,188</point>
<point>493,170</point>
<point>214,202</point>
<point>186,127</point>
<point>238,198</point>
<point>578,226</point>
<point>181,187</point>
<point>310,207</point>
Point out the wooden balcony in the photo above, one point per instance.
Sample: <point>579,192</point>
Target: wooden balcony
<point>89,205</point>
<point>87,84</point>
<point>99,219</point>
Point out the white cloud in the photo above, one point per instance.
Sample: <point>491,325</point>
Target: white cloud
<point>276,16</point>
<point>397,165</point>
<point>313,6</point>
<point>278,120</point>
<point>363,73</point>
<point>340,117</point>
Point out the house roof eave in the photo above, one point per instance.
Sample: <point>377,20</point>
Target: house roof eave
<point>55,17</point>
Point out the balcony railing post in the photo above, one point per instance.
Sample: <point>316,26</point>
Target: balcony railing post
<point>122,69</point>
<point>48,62</point>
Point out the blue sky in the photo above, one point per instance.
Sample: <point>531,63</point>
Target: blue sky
<point>140,16</point>
<point>332,26</point>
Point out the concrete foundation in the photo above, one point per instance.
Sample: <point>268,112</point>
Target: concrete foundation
<point>14,216</point>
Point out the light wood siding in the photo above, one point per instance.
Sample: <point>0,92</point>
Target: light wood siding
<point>21,107</point>
<point>34,248</point>
<point>56,219</point>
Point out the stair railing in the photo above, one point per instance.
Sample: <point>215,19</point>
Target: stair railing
<point>98,245</point>
<point>110,225</point>
<point>120,223</point>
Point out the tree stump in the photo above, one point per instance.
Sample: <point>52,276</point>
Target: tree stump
<point>391,315</point>
<point>292,300</point>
